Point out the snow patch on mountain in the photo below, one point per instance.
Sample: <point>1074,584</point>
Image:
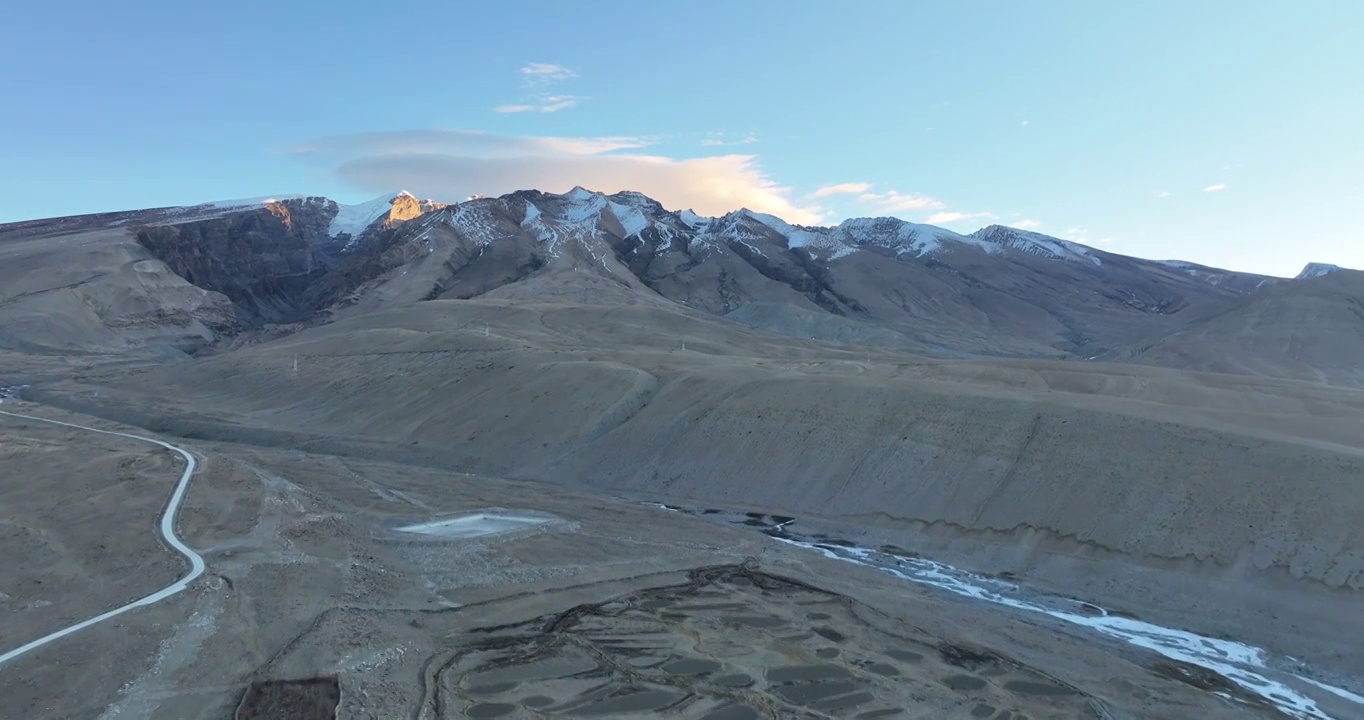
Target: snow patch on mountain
<point>1036,244</point>
<point>474,220</point>
<point>694,221</point>
<point>353,219</point>
<point>532,215</point>
<point>630,218</point>
<point>583,206</point>
<point>250,202</point>
<point>535,223</point>
<point>821,239</point>
<point>905,238</point>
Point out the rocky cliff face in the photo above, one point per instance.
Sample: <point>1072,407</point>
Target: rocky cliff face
<point>406,207</point>
<point>264,260</point>
<point>997,292</point>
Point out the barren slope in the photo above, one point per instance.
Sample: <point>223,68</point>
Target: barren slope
<point>1088,475</point>
<point>1311,329</point>
<point>609,609</point>
<point>97,291</point>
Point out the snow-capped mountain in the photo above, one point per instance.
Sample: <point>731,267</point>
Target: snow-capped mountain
<point>1037,244</point>
<point>997,291</point>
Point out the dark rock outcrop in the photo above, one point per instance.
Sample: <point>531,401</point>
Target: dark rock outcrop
<point>264,260</point>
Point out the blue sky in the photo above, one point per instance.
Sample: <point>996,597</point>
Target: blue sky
<point>1226,132</point>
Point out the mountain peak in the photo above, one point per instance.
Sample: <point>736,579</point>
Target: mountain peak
<point>389,208</point>
<point>692,220</point>
<point>579,194</point>
<point>1315,270</point>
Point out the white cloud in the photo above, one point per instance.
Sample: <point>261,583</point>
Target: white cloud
<point>718,140</point>
<point>1163,193</point>
<point>555,103</point>
<point>850,188</point>
<point>543,103</point>
<point>939,218</point>
<point>537,79</point>
<point>1027,224</point>
<point>455,164</point>
<point>1026,123</point>
<point>892,201</point>
<point>546,73</point>
<point>1215,188</point>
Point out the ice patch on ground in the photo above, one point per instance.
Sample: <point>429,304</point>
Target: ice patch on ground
<point>1244,665</point>
<point>475,525</point>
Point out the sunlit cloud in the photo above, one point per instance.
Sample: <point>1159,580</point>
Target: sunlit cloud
<point>1027,224</point>
<point>1163,193</point>
<point>851,188</point>
<point>1215,188</point>
<point>454,164</point>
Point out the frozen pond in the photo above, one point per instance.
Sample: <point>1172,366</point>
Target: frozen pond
<point>475,525</point>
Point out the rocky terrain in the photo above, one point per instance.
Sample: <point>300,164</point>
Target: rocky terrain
<point>1149,440</point>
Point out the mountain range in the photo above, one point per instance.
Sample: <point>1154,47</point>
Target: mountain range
<point>201,278</point>
<point>1176,442</point>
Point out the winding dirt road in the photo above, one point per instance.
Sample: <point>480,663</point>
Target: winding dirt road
<point>167,529</point>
